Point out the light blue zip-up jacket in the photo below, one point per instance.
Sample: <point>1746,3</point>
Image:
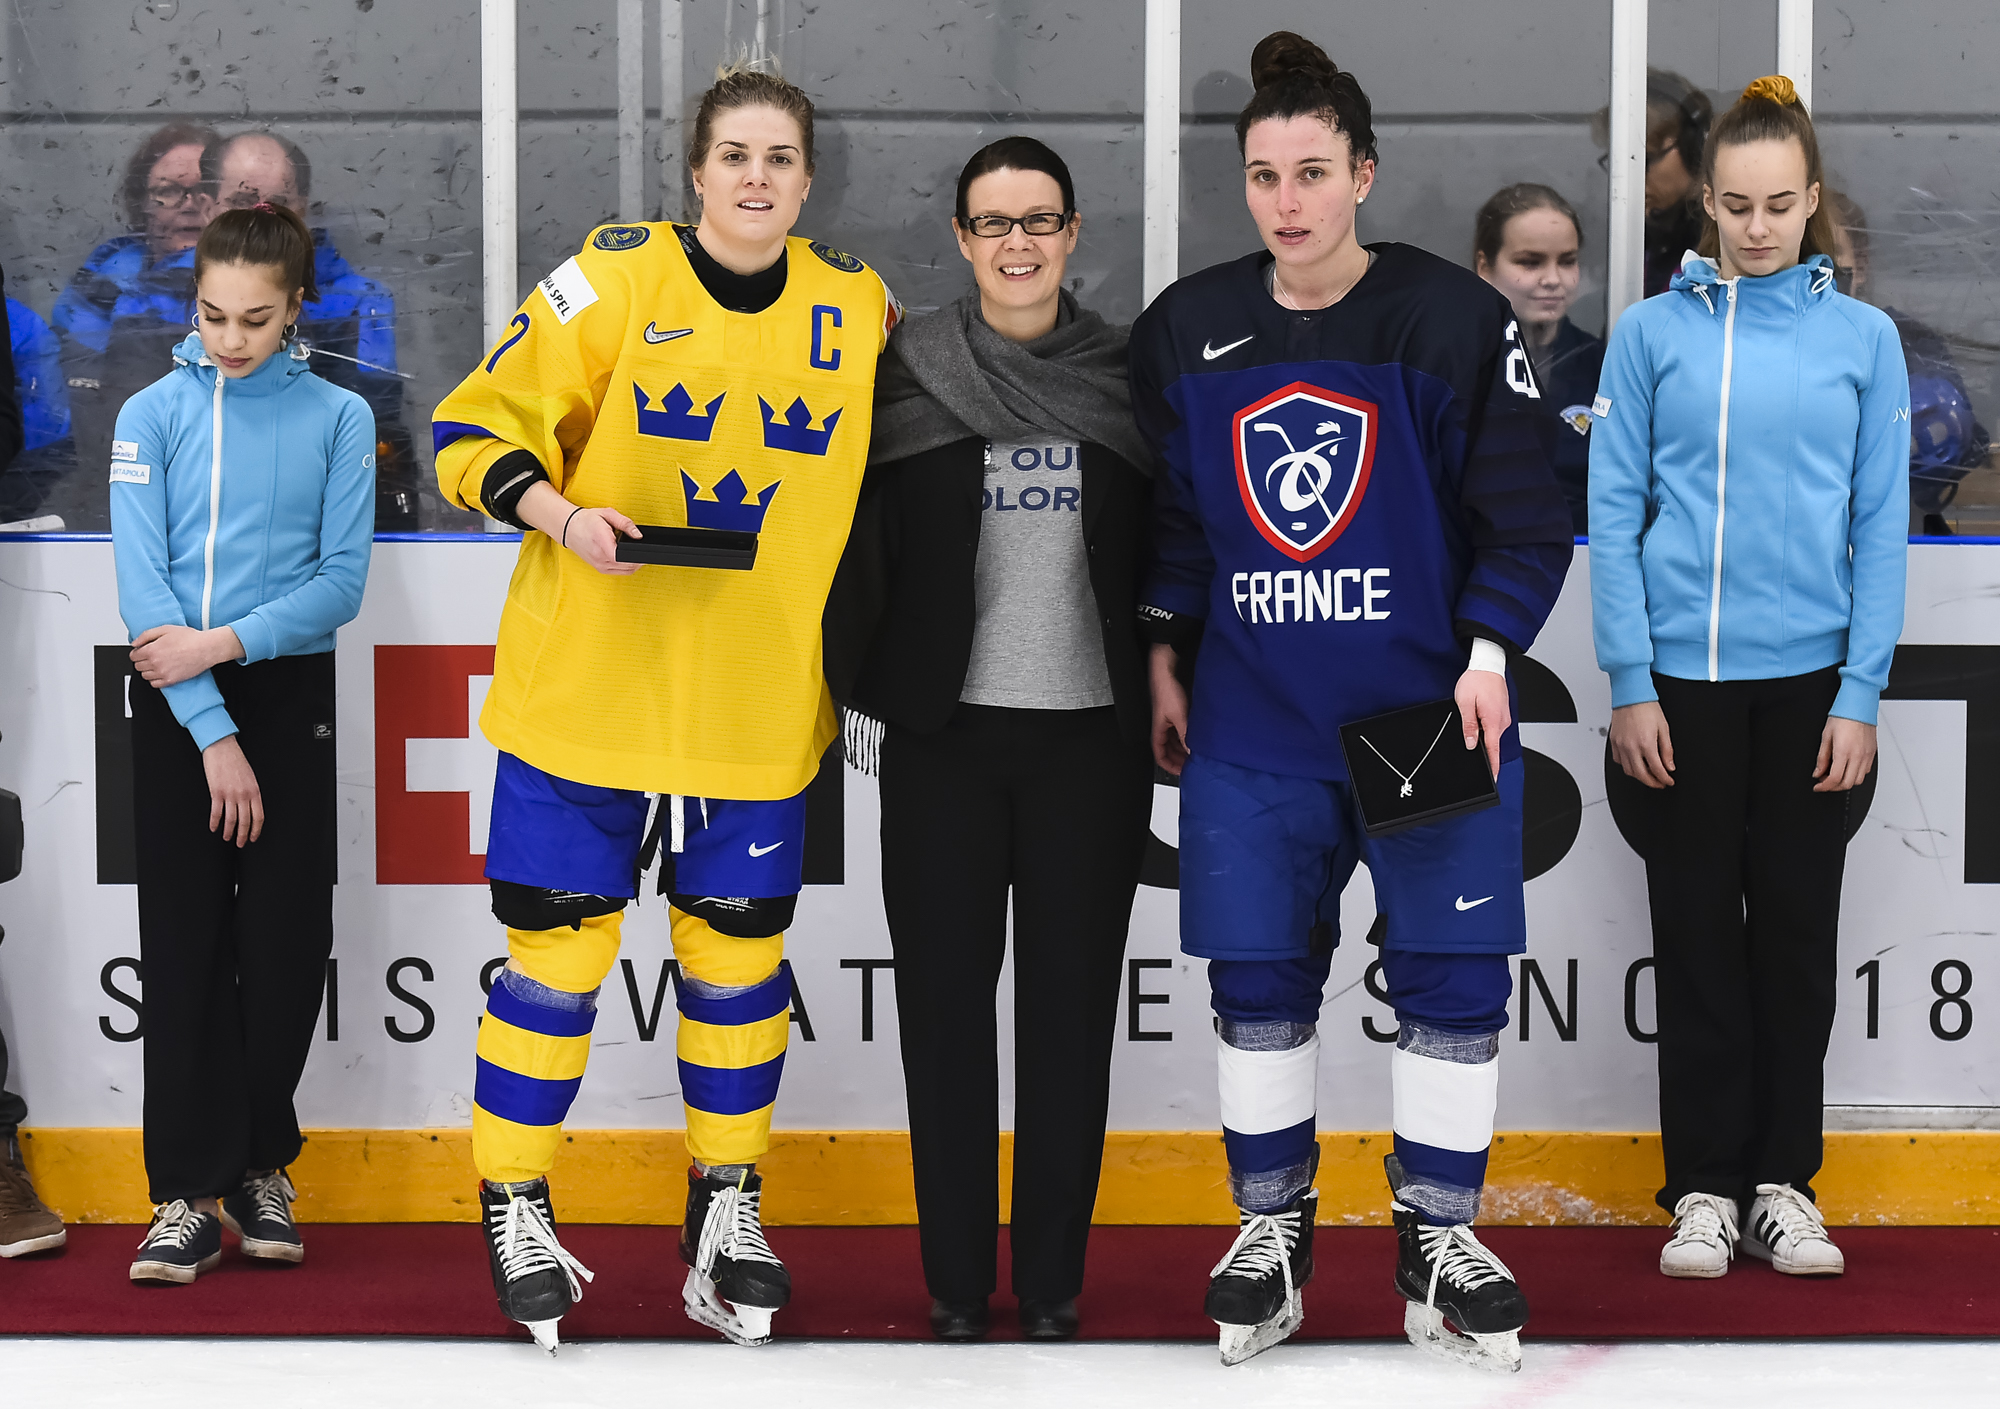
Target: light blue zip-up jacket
<point>1749,500</point>
<point>245,502</point>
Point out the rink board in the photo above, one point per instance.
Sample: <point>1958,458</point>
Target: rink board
<point>414,936</point>
<point>862,1177</point>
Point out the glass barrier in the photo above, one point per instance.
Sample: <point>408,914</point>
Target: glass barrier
<point>125,134</point>
<point>1903,101</point>
<point>908,90</point>
<point>1700,54</point>
<point>1469,101</point>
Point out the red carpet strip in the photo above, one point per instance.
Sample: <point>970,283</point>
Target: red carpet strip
<point>422,1279</point>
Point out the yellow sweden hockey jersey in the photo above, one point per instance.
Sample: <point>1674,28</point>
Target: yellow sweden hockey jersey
<point>637,391</point>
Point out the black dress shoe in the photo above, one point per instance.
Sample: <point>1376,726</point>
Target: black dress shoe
<point>1048,1320</point>
<point>959,1320</point>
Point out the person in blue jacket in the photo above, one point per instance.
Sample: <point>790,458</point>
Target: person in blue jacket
<point>242,489</point>
<point>350,323</point>
<point>1525,242</point>
<point>43,405</point>
<point>1355,514</point>
<point>1747,516</point>
<point>127,305</point>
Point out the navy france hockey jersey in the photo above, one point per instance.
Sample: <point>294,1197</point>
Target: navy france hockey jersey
<point>1348,496</point>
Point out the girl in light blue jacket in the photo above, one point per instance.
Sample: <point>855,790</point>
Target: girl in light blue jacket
<point>1747,520</point>
<point>242,498</point>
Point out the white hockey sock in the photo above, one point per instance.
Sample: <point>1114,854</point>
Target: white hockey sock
<point>1445,1087</point>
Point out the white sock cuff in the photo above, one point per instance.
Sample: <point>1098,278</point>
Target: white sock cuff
<point>1266,1091</point>
<point>1448,1105</point>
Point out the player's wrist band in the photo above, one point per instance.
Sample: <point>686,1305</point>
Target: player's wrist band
<point>565,533</point>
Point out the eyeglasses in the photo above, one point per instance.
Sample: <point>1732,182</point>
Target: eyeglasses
<point>1042,222</point>
<point>167,197</point>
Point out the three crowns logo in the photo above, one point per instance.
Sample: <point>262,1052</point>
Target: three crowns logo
<point>675,420</point>
<point>731,505</point>
<point>795,432</point>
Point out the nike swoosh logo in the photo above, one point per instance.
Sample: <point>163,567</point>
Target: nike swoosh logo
<point>1465,904</point>
<point>756,850</point>
<point>1210,352</point>
<point>653,333</point>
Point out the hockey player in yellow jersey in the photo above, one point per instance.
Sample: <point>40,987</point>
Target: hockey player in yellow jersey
<point>716,376</point>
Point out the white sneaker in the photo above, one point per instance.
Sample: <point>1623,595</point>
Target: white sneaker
<point>1704,1237</point>
<point>1789,1233</point>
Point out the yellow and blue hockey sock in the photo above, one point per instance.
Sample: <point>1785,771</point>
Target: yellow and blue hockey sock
<point>534,1043</point>
<point>735,1003</point>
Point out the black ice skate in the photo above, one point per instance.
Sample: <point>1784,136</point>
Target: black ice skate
<point>1255,1293</point>
<point>734,1282</point>
<point>534,1277</point>
<point>1447,1274</point>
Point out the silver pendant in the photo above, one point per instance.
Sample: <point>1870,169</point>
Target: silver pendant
<point>1405,791</point>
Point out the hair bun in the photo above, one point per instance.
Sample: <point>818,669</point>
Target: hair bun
<point>1775,87</point>
<point>1283,54</point>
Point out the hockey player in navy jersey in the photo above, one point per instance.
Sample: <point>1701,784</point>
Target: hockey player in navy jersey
<point>1356,514</point>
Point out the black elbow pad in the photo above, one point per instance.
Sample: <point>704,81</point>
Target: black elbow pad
<point>507,479</point>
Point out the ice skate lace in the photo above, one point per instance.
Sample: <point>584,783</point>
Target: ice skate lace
<point>733,1229</point>
<point>1705,1218</point>
<point>272,1195</point>
<point>1456,1255</point>
<point>174,1226</point>
<point>528,1244</point>
<point>1794,1214</point>
<point>1263,1245</point>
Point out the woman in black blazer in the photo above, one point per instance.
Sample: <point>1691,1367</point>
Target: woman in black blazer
<point>985,613</point>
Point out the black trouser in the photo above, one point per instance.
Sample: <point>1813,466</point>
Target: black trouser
<point>1744,878</point>
<point>233,942</point>
<point>13,1110</point>
<point>1055,805</point>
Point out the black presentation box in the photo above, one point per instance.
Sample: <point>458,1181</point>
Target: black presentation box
<point>1411,767</point>
<point>672,546</point>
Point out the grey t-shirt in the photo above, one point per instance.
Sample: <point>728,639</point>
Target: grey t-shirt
<point>1036,643</point>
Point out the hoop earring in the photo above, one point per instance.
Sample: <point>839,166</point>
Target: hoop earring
<point>195,322</point>
<point>291,332</point>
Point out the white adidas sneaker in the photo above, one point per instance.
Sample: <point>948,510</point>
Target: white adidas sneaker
<point>1789,1233</point>
<point>1704,1238</point>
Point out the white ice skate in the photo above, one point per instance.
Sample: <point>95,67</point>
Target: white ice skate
<point>732,1257</point>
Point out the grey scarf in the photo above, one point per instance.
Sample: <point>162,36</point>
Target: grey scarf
<point>950,376</point>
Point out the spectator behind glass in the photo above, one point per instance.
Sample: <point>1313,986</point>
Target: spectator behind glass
<point>1525,242</point>
<point>26,1223</point>
<point>43,402</point>
<point>1677,120</point>
<point>124,310</point>
<point>350,326</point>
<point>1946,439</point>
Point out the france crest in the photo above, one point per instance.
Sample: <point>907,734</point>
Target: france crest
<point>1302,459</point>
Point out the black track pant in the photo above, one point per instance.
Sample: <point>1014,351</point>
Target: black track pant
<point>233,943</point>
<point>1054,804</point>
<point>1744,880</point>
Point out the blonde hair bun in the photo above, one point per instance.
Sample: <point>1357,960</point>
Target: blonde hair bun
<point>1776,87</point>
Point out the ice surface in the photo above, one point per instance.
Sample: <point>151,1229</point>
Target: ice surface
<point>300,1374</point>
